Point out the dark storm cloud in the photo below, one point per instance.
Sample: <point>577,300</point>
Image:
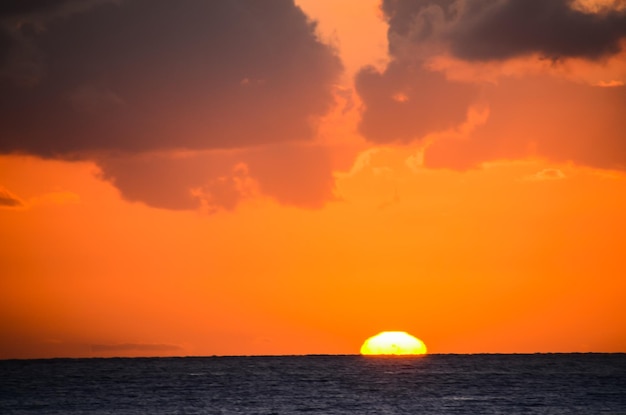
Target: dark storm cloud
<point>20,59</point>
<point>164,181</point>
<point>501,29</point>
<point>23,7</point>
<point>5,44</point>
<point>292,174</point>
<point>123,82</point>
<point>407,102</point>
<point>551,28</point>
<point>401,14</point>
<point>143,75</point>
<point>531,116</point>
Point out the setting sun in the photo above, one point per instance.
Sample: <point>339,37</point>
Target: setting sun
<point>393,343</point>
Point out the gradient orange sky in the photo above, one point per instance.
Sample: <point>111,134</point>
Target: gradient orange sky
<point>226,178</point>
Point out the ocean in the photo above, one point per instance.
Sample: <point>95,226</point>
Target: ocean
<point>588,384</point>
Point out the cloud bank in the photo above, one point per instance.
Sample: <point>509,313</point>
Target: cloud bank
<point>113,81</point>
<point>502,29</point>
<point>532,113</point>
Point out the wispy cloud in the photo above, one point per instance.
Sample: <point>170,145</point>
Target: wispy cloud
<point>9,200</point>
<point>546,174</point>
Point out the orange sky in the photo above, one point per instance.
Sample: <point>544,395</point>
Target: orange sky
<point>472,197</point>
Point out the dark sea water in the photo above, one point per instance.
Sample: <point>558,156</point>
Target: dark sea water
<point>435,384</point>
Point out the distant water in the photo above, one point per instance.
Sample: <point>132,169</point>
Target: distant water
<point>436,384</point>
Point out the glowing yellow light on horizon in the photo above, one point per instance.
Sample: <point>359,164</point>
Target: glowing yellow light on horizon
<point>393,343</point>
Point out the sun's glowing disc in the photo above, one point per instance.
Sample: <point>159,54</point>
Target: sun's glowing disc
<point>393,343</point>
